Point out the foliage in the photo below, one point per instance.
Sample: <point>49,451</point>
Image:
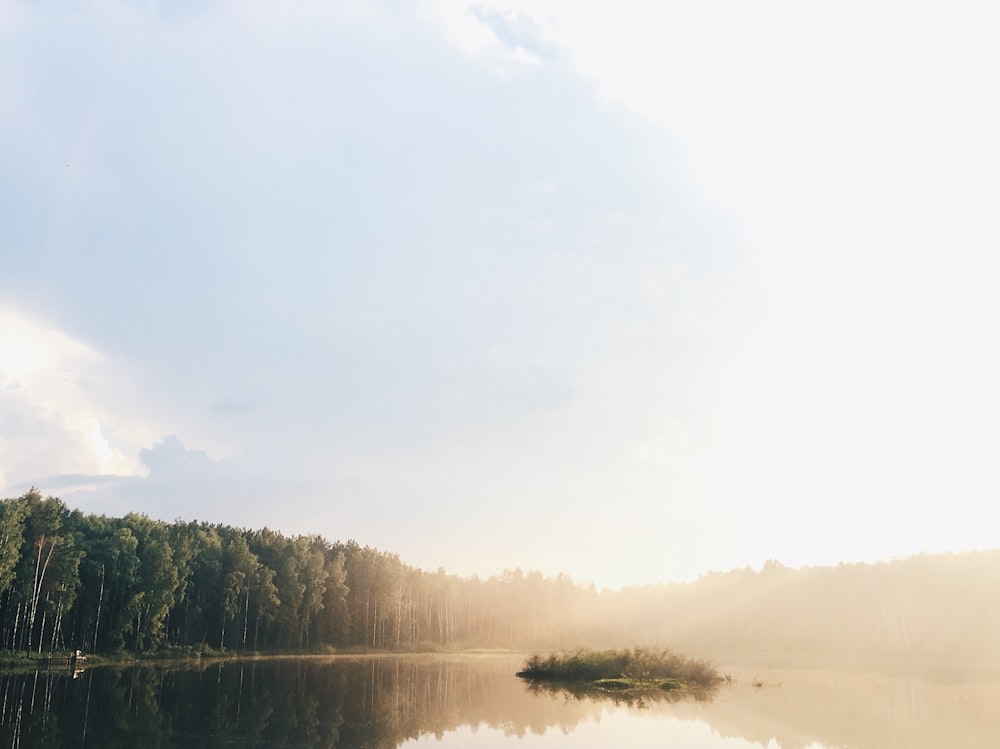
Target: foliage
<point>618,669</point>
<point>133,585</point>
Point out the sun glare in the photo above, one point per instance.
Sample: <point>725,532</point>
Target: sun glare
<point>43,371</point>
<point>27,348</point>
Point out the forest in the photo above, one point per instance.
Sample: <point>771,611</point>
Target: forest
<point>70,580</point>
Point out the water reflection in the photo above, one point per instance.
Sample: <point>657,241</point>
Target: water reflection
<point>640,699</point>
<point>862,707</point>
<point>477,701</point>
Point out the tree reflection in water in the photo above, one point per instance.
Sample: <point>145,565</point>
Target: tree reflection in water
<point>383,702</point>
<point>293,702</point>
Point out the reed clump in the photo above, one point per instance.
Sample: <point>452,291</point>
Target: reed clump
<point>623,669</point>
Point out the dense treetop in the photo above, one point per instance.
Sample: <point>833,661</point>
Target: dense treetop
<point>70,580</point>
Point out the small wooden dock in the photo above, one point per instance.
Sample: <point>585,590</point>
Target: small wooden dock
<point>73,661</point>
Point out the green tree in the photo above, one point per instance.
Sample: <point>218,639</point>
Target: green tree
<point>241,573</point>
<point>12,515</point>
<point>334,627</point>
<point>157,586</point>
<point>46,574</point>
<point>200,605</point>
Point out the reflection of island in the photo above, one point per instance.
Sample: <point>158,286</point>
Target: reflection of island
<point>631,696</point>
<point>385,701</point>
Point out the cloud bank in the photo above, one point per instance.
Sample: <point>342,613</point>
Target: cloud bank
<point>487,289</point>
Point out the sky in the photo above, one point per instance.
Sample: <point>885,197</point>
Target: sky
<point>627,291</point>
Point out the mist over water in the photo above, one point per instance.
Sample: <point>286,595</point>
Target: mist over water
<point>476,701</point>
<point>478,326</point>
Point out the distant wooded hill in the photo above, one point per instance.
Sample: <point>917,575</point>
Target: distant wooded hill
<point>943,605</point>
<point>70,580</point>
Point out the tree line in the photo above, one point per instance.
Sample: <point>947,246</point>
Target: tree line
<point>70,580</point>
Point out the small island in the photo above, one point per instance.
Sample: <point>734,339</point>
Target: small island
<point>639,670</point>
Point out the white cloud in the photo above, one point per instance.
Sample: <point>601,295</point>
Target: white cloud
<point>365,274</point>
<point>58,415</point>
<point>504,40</point>
<point>857,143</point>
<point>863,123</point>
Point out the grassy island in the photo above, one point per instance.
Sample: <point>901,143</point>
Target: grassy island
<point>623,670</point>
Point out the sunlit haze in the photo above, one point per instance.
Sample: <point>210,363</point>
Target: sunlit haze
<point>628,291</point>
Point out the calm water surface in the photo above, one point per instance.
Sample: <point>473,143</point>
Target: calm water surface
<point>477,702</point>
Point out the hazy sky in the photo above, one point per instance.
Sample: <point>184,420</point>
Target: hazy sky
<point>631,294</point>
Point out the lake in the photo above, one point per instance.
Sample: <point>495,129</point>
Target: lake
<point>475,701</point>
